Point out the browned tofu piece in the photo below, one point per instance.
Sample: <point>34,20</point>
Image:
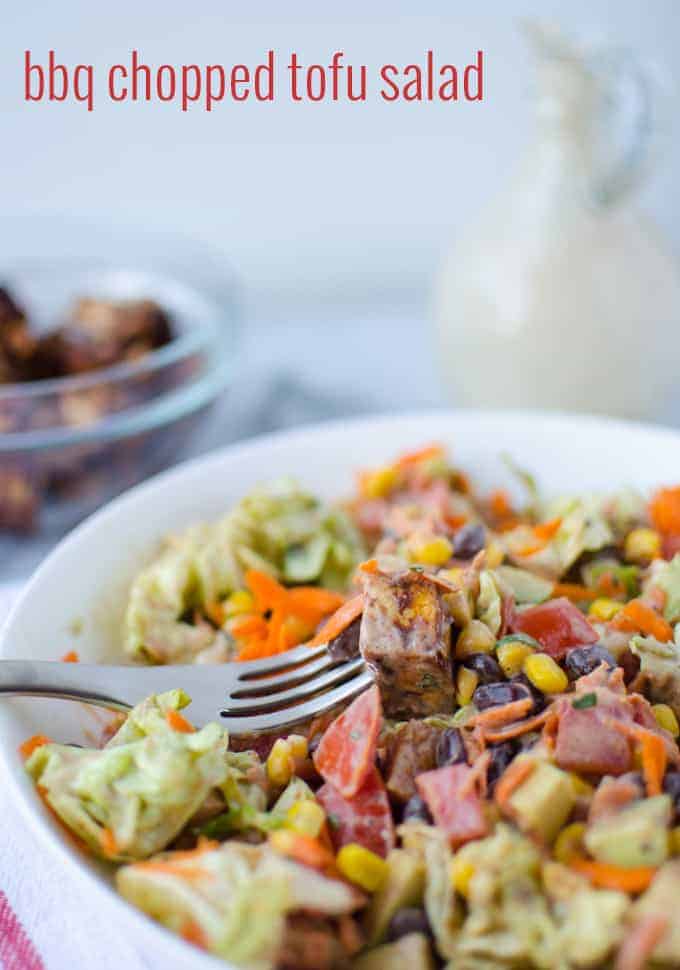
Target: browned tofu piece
<point>406,640</point>
<point>410,751</point>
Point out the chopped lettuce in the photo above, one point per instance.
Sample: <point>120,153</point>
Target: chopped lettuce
<point>659,675</point>
<point>431,846</point>
<point>247,803</point>
<point>489,603</point>
<point>583,528</point>
<point>508,919</point>
<point>232,899</point>
<point>279,529</point>
<point>525,587</point>
<point>133,797</point>
<point>666,575</point>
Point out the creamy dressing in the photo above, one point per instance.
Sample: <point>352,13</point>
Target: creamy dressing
<point>564,296</point>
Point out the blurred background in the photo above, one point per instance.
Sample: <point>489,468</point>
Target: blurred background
<point>324,229</point>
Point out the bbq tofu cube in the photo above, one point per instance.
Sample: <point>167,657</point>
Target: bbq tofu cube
<point>406,640</point>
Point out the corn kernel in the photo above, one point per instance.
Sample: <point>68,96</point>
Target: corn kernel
<point>280,763</point>
<point>306,817</point>
<point>435,552</point>
<point>475,638</point>
<point>511,656</point>
<point>665,718</point>
<point>642,545</point>
<point>362,867</point>
<point>569,842</point>
<point>604,609</point>
<point>462,872</point>
<point>545,674</point>
<point>495,554</point>
<point>298,746</point>
<point>466,684</point>
<point>454,575</point>
<point>379,483</point>
<point>581,787</point>
<point>238,603</point>
<point>674,841</point>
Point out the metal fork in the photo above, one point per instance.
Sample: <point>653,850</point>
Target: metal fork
<point>249,697</point>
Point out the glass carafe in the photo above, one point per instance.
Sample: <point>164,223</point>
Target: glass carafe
<point>564,295</point>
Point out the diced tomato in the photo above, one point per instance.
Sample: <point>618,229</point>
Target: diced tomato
<point>588,743</point>
<point>346,753</point>
<point>462,818</point>
<point>558,626</point>
<point>366,818</point>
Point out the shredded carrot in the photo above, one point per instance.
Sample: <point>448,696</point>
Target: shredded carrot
<point>249,626</point>
<point>455,522</point>
<point>514,775</point>
<point>637,616</point>
<point>653,750</point>
<point>267,592</point>
<point>654,760</point>
<point>109,844</point>
<point>71,657</point>
<point>664,510</point>
<point>608,585</point>
<point>574,592</point>
<point>641,941</point>
<point>519,727</point>
<point>500,504</point>
<point>542,533</point>
<point>503,713</point>
<point>310,603</point>
<point>306,850</point>
<point>370,566</point>
<point>32,744</point>
<point>192,933</point>
<point>283,617</point>
<point>421,454</point>
<point>476,776</point>
<point>604,875</point>
<point>339,621</point>
<point>179,723</point>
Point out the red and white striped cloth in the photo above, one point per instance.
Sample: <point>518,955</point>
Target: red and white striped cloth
<point>48,919</point>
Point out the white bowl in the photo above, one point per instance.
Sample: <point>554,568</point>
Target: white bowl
<point>76,599</point>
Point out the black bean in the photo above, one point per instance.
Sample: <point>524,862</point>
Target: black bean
<point>583,660</point>
<point>469,540</point>
<point>410,919</point>
<point>501,756</point>
<point>671,785</point>
<point>450,748</point>
<point>346,645</point>
<point>487,669</point>
<point>534,692</point>
<point>415,810</point>
<point>629,662</point>
<point>503,692</point>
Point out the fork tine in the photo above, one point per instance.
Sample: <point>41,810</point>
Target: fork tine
<point>283,698</point>
<point>267,685</point>
<point>275,720</point>
<point>252,669</point>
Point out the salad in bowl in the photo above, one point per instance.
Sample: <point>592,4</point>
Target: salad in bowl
<point>506,793</point>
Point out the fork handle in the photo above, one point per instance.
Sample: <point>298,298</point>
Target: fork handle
<point>117,688</point>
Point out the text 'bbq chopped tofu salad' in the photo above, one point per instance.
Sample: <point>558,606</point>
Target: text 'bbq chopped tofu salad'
<point>506,794</point>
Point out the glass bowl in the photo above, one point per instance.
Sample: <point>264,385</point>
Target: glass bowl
<point>69,444</point>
